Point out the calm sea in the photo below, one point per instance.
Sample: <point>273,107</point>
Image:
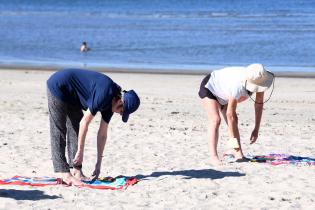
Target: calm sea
<point>182,34</point>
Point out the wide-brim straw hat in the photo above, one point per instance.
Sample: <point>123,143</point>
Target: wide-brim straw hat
<point>258,79</point>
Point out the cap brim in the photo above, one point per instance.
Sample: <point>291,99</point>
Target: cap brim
<point>125,117</point>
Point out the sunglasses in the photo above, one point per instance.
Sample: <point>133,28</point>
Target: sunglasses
<point>248,92</point>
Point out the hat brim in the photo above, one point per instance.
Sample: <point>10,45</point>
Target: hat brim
<point>252,87</point>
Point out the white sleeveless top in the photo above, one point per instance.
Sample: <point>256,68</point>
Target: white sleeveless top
<point>227,82</point>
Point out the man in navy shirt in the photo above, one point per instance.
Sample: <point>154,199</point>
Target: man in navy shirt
<point>69,91</point>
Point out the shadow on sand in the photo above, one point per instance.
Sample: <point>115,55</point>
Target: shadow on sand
<point>193,174</point>
<point>31,195</point>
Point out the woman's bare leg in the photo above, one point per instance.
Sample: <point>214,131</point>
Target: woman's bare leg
<point>212,108</point>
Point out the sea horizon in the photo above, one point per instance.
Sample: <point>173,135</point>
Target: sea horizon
<point>164,35</point>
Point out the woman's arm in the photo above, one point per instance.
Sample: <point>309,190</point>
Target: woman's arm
<point>258,114</point>
<point>232,119</point>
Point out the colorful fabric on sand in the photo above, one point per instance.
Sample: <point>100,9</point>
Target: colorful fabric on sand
<point>111,183</point>
<point>117,183</point>
<point>279,159</point>
<point>34,181</point>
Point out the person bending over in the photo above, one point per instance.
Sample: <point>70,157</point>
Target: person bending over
<point>221,91</point>
<point>69,92</point>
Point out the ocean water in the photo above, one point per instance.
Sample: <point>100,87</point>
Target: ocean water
<point>181,34</point>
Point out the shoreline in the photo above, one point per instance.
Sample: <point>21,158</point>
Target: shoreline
<point>143,70</point>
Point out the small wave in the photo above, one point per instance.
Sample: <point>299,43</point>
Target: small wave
<point>156,14</point>
<point>32,13</point>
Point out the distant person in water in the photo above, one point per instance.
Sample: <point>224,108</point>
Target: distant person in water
<point>84,47</point>
<point>69,92</point>
<point>221,91</point>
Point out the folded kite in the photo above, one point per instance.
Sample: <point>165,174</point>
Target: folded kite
<point>117,183</point>
<point>279,159</point>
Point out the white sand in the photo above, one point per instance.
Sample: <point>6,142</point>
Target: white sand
<point>165,142</point>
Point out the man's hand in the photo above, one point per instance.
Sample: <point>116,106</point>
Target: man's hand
<point>96,172</point>
<point>254,136</point>
<point>78,159</point>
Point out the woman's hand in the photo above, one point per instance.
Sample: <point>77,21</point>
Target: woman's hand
<point>254,136</point>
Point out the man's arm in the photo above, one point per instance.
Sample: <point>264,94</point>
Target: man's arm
<point>84,124</point>
<point>258,114</point>
<point>101,141</point>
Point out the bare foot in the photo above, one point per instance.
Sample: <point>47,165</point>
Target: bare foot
<point>78,174</point>
<point>234,155</point>
<point>68,179</point>
<point>215,161</point>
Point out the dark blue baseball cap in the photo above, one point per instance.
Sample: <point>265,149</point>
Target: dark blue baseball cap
<point>131,104</point>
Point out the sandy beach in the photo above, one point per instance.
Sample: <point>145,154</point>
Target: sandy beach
<point>165,145</point>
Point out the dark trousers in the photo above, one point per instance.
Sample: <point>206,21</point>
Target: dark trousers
<point>64,129</point>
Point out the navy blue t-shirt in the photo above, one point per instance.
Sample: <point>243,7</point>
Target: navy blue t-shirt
<point>86,89</point>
